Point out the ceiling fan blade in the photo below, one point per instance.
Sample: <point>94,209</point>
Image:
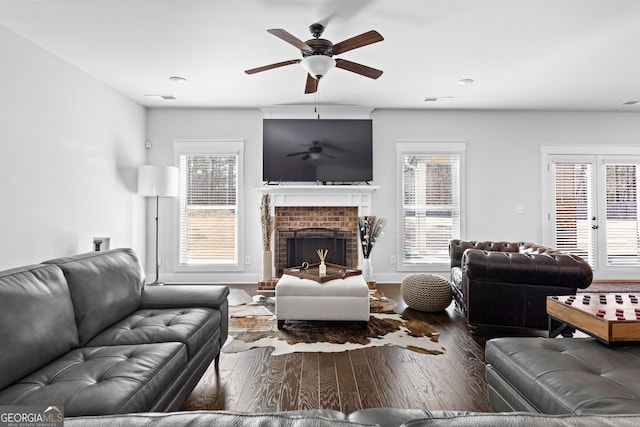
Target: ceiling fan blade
<point>290,38</point>
<point>354,67</point>
<point>328,155</point>
<point>272,66</point>
<point>363,39</point>
<point>297,154</point>
<point>312,85</point>
<point>306,157</point>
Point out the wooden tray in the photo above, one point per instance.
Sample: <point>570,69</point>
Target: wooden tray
<point>312,272</point>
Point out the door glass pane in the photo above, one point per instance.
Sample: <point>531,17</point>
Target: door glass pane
<point>574,210</point>
<point>622,214</point>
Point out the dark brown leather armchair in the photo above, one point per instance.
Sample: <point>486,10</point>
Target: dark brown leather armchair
<point>507,283</point>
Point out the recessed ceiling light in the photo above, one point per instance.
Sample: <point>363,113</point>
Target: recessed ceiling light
<point>631,103</point>
<point>165,97</point>
<point>177,79</point>
<point>465,82</point>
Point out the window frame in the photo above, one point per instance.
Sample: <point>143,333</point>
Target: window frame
<point>216,147</point>
<point>425,148</point>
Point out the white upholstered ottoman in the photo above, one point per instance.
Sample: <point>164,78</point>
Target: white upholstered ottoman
<point>305,299</point>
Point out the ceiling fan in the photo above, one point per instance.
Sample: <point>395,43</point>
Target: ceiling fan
<point>314,152</point>
<point>317,55</point>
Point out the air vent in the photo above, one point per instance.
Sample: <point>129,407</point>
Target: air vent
<point>631,103</point>
<point>438,98</point>
<point>164,97</point>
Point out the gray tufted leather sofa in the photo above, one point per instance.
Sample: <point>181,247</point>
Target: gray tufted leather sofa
<point>83,332</point>
<point>563,376</point>
<point>385,417</point>
<point>507,283</point>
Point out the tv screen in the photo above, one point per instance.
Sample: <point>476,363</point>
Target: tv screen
<point>310,150</point>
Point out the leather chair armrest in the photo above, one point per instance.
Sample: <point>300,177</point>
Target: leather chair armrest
<point>543,269</point>
<point>172,296</point>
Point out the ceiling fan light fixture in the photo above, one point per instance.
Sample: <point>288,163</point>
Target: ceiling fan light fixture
<point>318,65</point>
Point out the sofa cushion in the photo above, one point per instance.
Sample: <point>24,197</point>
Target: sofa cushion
<point>319,418</point>
<point>105,287</point>
<point>560,376</point>
<point>103,380</point>
<point>387,417</point>
<point>36,320</point>
<point>192,326</point>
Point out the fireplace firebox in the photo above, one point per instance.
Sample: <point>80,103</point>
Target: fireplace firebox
<point>304,243</point>
<point>301,245</point>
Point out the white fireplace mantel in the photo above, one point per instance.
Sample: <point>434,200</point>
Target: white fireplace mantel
<point>322,195</point>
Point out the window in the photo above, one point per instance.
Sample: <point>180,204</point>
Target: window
<point>431,201</point>
<point>591,206</point>
<point>209,208</point>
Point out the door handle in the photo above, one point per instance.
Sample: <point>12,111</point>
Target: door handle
<point>594,227</point>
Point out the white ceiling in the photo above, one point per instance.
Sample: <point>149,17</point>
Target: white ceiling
<point>580,55</point>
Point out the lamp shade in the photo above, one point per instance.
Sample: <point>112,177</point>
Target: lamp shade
<point>318,65</point>
<point>157,181</point>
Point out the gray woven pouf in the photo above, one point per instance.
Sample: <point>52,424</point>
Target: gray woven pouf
<point>426,292</point>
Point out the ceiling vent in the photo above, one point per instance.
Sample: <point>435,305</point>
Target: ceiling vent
<point>164,97</point>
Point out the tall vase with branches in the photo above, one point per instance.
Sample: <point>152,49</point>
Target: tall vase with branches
<point>370,229</point>
<point>267,232</point>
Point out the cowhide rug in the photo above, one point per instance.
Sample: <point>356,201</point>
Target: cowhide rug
<point>383,329</point>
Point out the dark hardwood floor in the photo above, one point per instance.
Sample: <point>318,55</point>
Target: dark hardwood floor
<point>254,381</point>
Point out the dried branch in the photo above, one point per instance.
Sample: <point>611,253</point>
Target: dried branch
<point>370,230</point>
<point>267,221</point>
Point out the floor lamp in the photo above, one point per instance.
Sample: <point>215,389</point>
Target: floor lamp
<point>157,181</point>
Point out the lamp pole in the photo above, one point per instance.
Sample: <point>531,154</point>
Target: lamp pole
<point>157,281</point>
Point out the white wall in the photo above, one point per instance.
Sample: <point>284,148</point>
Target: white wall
<point>502,168</point>
<point>69,149</point>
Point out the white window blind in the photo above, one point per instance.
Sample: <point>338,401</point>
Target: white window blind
<point>574,210</point>
<point>623,248</point>
<point>430,206</point>
<point>208,209</point>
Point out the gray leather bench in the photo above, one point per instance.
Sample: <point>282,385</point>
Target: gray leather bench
<point>563,376</point>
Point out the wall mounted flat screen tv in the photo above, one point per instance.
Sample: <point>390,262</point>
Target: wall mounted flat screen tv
<point>311,150</point>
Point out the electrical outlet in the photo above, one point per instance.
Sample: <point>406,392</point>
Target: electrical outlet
<point>247,260</point>
<point>392,259</point>
<point>519,209</point>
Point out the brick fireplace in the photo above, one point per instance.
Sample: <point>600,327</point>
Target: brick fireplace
<point>324,224</point>
<point>334,209</point>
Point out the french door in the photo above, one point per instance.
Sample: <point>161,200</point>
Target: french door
<point>595,212</point>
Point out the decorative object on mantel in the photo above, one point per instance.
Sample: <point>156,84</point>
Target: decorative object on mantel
<point>322,268</point>
<point>370,230</point>
<point>267,232</point>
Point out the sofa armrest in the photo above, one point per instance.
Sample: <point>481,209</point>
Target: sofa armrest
<point>557,269</point>
<point>173,296</point>
<point>457,248</point>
